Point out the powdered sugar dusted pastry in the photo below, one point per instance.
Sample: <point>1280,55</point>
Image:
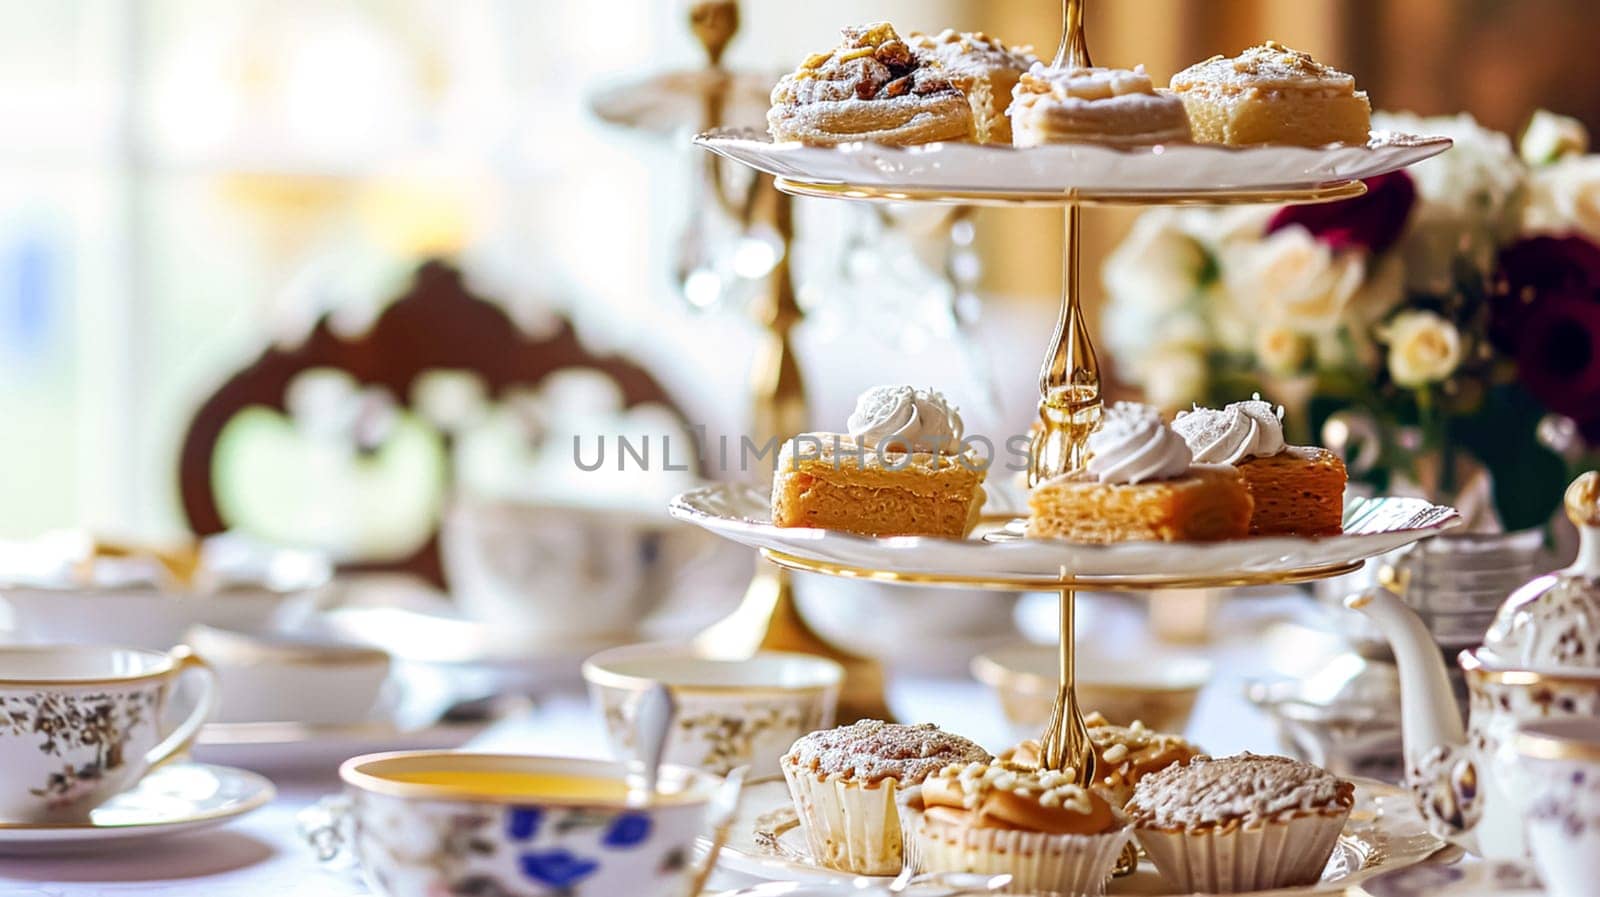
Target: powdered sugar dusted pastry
<point>1119,107</point>
<point>1272,94</point>
<point>1035,825</point>
<point>1140,484</point>
<point>1126,755</point>
<point>845,782</point>
<point>982,68</point>
<point>1242,823</point>
<point>873,86</point>
<point>1297,490</point>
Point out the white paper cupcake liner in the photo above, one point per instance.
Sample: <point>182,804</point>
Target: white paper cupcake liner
<point>1076,865</point>
<point>849,827</point>
<point>1245,858</point>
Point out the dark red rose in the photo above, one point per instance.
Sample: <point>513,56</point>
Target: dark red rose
<point>1559,356</point>
<point>1532,269</point>
<point>1372,221</point>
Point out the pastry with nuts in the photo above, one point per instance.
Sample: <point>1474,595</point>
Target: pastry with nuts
<point>1117,107</point>
<point>1297,490</point>
<point>901,470</point>
<point>1272,94</point>
<point>1037,826</point>
<point>873,86</point>
<point>984,69</point>
<point>847,783</point>
<point>1125,754</point>
<point>1140,483</point>
<point>1241,823</point>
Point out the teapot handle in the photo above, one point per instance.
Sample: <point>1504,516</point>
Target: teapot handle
<point>1447,790</point>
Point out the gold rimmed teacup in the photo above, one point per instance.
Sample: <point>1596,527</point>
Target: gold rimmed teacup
<point>80,724</point>
<point>444,822</point>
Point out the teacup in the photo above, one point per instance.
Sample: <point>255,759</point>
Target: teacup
<point>1558,762</point>
<point>442,822</point>
<point>729,713</point>
<point>279,678</point>
<point>1159,691</point>
<point>80,724</point>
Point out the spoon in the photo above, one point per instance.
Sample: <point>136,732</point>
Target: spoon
<point>936,884</point>
<point>653,711</point>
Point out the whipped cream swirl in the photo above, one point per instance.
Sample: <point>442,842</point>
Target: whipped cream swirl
<point>1134,445</point>
<point>1241,430</point>
<point>905,419</point>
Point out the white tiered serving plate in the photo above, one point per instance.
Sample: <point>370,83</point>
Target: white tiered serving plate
<point>996,552</point>
<point>1384,834</point>
<point>1097,171</point>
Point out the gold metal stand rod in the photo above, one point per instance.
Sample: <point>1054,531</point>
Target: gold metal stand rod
<point>1069,381</point>
<point>1065,745</point>
<point>1074,49</point>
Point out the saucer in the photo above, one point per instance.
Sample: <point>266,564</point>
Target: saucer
<point>1493,878</point>
<point>182,797</point>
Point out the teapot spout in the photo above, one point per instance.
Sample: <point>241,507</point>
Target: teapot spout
<point>1429,718</point>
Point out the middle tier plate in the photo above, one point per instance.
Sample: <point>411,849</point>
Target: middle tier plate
<point>996,556</point>
<point>1174,173</point>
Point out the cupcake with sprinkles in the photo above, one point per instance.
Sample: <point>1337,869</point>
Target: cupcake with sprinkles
<point>847,784</point>
<point>1241,823</point>
<point>1047,833</point>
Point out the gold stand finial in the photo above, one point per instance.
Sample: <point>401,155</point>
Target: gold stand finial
<point>1074,49</point>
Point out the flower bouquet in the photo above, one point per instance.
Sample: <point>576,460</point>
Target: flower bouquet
<point>1442,330</point>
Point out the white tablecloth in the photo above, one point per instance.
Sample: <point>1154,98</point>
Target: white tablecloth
<point>260,855</point>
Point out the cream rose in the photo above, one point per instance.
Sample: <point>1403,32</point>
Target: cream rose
<point>1550,137</point>
<point>1424,348</point>
<point>1292,279</point>
<point>1280,350</point>
<point>1564,197</point>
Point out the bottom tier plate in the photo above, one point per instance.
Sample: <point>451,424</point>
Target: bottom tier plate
<point>997,556</point>
<point>1384,834</point>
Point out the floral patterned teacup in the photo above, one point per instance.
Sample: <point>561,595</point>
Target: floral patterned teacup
<point>1558,762</point>
<point>80,724</point>
<point>453,824</point>
<point>729,713</point>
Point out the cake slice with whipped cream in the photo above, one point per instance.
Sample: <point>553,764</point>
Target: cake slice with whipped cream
<point>901,470</point>
<point>1115,107</point>
<point>1298,490</point>
<point>1140,483</point>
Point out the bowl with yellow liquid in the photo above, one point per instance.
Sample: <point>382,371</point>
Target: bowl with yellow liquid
<point>425,823</point>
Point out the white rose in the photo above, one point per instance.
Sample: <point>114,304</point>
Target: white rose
<point>1565,197</point>
<point>1550,137</point>
<point>1468,199</point>
<point>1157,265</point>
<point>1424,348</point>
<point>1174,377</point>
<point>1293,279</point>
<point>1280,350</point>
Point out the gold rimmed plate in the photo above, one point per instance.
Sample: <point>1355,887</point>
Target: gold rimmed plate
<point>1384,834</point>
<point>997,556</point>
<point>1080,172</point>
<point>175,799</point>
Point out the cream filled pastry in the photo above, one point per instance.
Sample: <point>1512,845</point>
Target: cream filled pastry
<point>984,69</point>
<point>1296,490</point>
<point>900,470</point>
<point>1046,832</point>
<point>1272,94</point>
<point>1120,107</point>
<point>1140,484</point>
<point>873,86</point>
<point>1126,754</point>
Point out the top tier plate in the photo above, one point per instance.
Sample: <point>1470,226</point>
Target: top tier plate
<point>1075,172</point>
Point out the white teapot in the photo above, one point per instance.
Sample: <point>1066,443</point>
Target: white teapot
<point>1540,659</point>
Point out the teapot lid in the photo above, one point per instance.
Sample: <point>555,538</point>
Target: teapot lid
<point>1554,620</point>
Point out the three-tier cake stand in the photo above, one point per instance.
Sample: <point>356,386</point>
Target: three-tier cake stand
<point>1071,176</point>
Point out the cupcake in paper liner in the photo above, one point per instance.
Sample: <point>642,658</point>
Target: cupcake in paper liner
<point>1125,754</point>
<point>1242,823</point>
<point>1049,835</point>
<point>847,783</point>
